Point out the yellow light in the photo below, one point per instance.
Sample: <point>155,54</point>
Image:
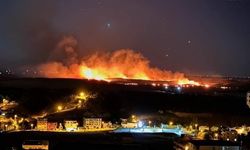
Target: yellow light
<point>81,94</point>
<point>15,116</point>
<point>133,116</point>
<point>171,123</point>
<point>149,122</point>
<point>196,125</point>
<point>186,147</point>
<point>59,108</point>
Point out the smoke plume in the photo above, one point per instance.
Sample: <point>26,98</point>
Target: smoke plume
<point>123,63</point>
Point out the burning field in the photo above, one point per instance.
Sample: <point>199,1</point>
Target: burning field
<point>124,64</point>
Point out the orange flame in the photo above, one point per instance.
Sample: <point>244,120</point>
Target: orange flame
<point>125,64</point>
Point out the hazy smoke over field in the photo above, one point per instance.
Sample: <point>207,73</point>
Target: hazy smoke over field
<point>124,63</point>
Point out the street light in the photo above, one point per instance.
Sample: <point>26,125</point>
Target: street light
<point>82,95</point>
<point>59,107</point>
<point>149,122</point>
<point>15,116</point>
<point>171,123</point>
<point>196,125</point>
<point>216,135</point>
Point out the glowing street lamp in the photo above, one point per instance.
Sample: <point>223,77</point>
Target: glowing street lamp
<point>149,122</point>
<point>15,116</point>
<point>6,127</point>
<point>216,135</point>
<point>59,107</point>
<point>196,125</point>
<point>171,123</point>
<point>140,124</point>
<point>82,95</point>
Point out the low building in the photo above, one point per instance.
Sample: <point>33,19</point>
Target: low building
<point>70,125</point>
<point>129,124</point>
<point>52,126</point>
<point>42,125</point>
<point>229,135</point>
<point>203,128</point>
<point>106,124</point>
<point>92,123</point>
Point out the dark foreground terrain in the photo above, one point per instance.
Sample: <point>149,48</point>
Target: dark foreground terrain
<point>103,140</point>
<point>214,106</point>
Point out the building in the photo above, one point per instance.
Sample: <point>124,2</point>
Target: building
<point>106,125</point>
<point>229,135</point>
<point>129,124</point>
<point>42,124</point>
<point>92,123</point>
<point>70,125</point>
<point>248,99</point>
<point>203,128</point>
<point>35,144</point>
<point>207,145</point>
<point>52,126</point>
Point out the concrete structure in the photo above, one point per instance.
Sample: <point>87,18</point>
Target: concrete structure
<point>248,99</point>
<point>70,125</point>
<point>92,123</point>
<point>42,124</point>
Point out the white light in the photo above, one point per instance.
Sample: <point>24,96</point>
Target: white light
<point>178,88</point>
<point>140,124</point>
<point>3,114</point>
<point>235,139</point>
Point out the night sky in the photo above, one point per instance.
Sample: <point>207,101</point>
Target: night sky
<point>191,36</point>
